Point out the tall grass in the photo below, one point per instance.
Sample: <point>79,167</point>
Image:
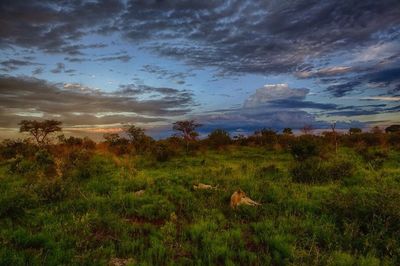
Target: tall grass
<point>342,212</point>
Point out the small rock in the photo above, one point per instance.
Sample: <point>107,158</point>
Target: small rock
<point>139,192</point>
<point>203,186</point>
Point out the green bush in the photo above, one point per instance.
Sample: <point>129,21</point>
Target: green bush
<point>76,163</point>
<point>10,148</point>
<point>51,190</point>
<point>375,157</point>
<point>20,238</point>
<point>368,215</point>
<point>338,169</point>
<point>316,170</point>
<point>280,246</point>
<point>41,164</point>
<point>341,259</point>
<point>162,152</point>
<point>308,171</point>
<point>83,165</point>
<point>23,166</point>
<point>305,147</point>
<point>13,204</point>
<point>264,171</point>
<point>218,138</point>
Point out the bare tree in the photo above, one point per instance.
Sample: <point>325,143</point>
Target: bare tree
<point>40,130</point>
<point>307,129</point>
<point>333,127</point>
<point>187,129</point>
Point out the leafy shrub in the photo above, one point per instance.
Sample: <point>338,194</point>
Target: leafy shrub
<point>266,170</point>
<point>247,213</point>
<point>14,203</point>
<point>305,147</point>
<point>45,162</point>
<point>219,138</point>
<point>9,256</point>
<point>375,157</point>
<point>337,169</point>
<point>41,164</point>
<point>102,186</point>
<point>50,190</point>
<point>341,259</point>
<point>163,152</point>
<point>373,215</point>
<point>84,165</point>
<point>213,246</point>
<point>23,166</point>
<point>22,239</point>
<point>280,246</point>
<point>315,170</point>
<point>394,139</point>
<point>12,148</point>
<point>308,171</point>
<point>76,163</point>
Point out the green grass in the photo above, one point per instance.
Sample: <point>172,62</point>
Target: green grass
<point>93,215</point>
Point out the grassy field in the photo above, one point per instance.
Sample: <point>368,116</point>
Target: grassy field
<point>94,217</point>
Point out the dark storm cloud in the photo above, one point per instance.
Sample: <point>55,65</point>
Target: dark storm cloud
<point>371,109</point>
<point>75,49</point>
<point>53,26</point>
<point>340,90</point>
<point>60,67</point>
<point>385,76</point>
<point>122,58</point>
<point>37,71</point>
<point>165,93</point>
<point>387,80</point>
<point>162,73</point>
<point>234,36</point>
<point>22,97</point>
<point>14,64</point>
<point>76,59</point>
<point>257,36</point>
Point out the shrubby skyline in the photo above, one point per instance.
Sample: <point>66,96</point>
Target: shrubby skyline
<point>239,65</point>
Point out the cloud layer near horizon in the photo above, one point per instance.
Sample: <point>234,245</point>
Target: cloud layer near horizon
<point>76,105</point>
<point>152,60</point>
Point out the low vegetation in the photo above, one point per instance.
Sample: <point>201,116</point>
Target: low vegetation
<point>132,200</point>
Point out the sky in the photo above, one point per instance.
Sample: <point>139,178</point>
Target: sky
<point>99,66</point>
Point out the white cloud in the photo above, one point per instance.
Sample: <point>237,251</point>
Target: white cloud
<point>272,92</point>
<point>382,98</point>
<point>377,52</point>
<point>324,72</point>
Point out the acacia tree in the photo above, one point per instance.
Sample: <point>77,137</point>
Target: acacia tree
<point>40,130</point>
<point>287,131</point>
<point>392,129</point>
<point>187,129</point>
<point>354,130</point>
<point>138,138</point>
<point>135,134</point>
